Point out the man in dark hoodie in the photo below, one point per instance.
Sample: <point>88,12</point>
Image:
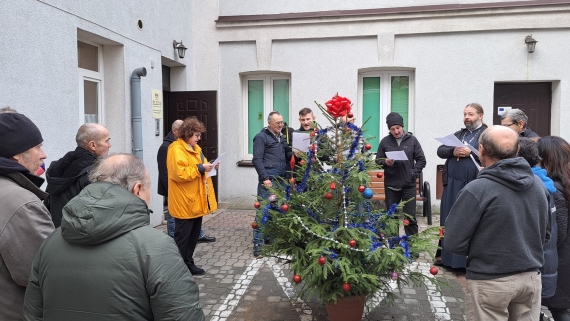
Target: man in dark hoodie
<point>24,221</point>
<point>400,176</point>
<point>163,180</point>
<point>67,176</point>
<point>106,262</point>
<point>499,222</point>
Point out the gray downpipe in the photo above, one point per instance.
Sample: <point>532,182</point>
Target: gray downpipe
<point>136,117</point>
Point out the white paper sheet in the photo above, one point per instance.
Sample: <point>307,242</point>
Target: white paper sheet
<point>301,141</point>
<point>214,172</point>
<point>452,141</point>
<point>397,155</point>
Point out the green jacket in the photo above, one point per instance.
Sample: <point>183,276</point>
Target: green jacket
<point>106,263</point>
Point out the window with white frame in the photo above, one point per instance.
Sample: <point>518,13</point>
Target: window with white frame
<point>262,94</point>
<point>90,67</point>
<point>380,93</point>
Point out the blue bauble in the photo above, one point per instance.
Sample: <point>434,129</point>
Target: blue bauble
<point>368,193</point>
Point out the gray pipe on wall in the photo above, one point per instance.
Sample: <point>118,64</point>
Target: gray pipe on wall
<point>136,117</point>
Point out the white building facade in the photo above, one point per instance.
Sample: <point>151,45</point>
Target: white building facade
<point>65,62</point>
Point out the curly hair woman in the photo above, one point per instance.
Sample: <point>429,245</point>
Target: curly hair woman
<point>190,191</point>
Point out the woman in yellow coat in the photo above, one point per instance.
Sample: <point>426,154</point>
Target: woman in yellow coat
<point>190,192</point>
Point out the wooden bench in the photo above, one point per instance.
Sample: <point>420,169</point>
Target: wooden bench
<point>423,192</point>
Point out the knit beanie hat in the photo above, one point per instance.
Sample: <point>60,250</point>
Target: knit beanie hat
<point>17,134</point>
<point>394,119</point>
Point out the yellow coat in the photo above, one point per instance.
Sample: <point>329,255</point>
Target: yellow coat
<point>187,188</point>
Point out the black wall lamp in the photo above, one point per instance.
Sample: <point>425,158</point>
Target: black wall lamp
<point>180,48</point>
<point>530,43</point>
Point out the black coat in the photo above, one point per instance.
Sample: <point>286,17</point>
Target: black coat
<point>561,299</point>
<point>446,152</point>
<point>161,160</point>
<point>269,152</point>
<point>401,173</point>
<point>66,177</point>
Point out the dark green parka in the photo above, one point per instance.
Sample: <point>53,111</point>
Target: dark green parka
<point>107,263</point>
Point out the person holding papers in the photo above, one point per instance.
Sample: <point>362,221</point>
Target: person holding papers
<point>460,169</point>
<point>190,191</point>
<point>402,158</point>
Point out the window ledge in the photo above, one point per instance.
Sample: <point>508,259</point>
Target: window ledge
<point>244,163</point>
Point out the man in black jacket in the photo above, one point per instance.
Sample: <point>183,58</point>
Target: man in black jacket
<point>270,154</point>
<point>67,176</point>
<point>517,120</point>
<point>400,176</point>
<point>163,180</point>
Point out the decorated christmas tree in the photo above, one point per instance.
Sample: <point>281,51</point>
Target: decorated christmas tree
<point>323,224</point>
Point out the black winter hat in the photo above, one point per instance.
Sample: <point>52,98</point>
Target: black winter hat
<point>394,119</point>
<point>17,134</point>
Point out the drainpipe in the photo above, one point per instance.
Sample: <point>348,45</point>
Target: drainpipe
<point>136,117</point>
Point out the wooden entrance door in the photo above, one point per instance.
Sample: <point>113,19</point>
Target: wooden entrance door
<point>203,105</point>
<point>534,99</point>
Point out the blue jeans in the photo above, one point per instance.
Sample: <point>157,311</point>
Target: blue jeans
<point>264,193</point>
<point>170,224</point>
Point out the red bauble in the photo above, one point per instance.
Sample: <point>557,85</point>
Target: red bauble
<point>361,188</point>
<point>292,180</point>
<point>352,243</point>
<point>284,207</point>
<point>379,175</point>
<point>256,204</point>
<point>322,260</point>
<point>296,278</point>
<point>302,162</point>
<point>333,185</point>
<point>350,115</point>
<point>406,222</point>
<point>312,135</point>
<point>314,148</point>
<point>433,270</point>
<point>346,287</point>
<point>328,195</point>
<point>254,225</point>
<point>368,146</point>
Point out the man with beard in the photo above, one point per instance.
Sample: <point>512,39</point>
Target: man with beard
<point>458,171</point>
<point>67,176</point>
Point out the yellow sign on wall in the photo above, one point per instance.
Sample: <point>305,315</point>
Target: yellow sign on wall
<point>157,104</point>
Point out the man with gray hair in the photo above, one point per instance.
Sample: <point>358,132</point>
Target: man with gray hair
<point>106,262</point>
<point>24,221</point>
<point>270,155</point>
<point>516,120</point>
<point>67,176</point>
<point>499,222</point>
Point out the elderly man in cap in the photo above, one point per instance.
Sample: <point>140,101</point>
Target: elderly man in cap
<point>400,176</point>
<point>24,221</point>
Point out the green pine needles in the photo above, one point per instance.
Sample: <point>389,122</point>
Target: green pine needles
<point>325,227</point>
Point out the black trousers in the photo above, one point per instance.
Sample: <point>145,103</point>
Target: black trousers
<point>186,236</point>
<point>404,194</point>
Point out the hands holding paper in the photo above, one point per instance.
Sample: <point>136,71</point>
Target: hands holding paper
<point>389,162</point>
<point>461,151</point>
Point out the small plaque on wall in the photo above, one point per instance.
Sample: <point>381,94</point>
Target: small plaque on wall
<point>157,104</point>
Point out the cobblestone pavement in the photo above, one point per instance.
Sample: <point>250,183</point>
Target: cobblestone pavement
<point>238,287</point>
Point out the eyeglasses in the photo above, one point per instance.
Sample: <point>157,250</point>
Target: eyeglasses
<point>279,122</point>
